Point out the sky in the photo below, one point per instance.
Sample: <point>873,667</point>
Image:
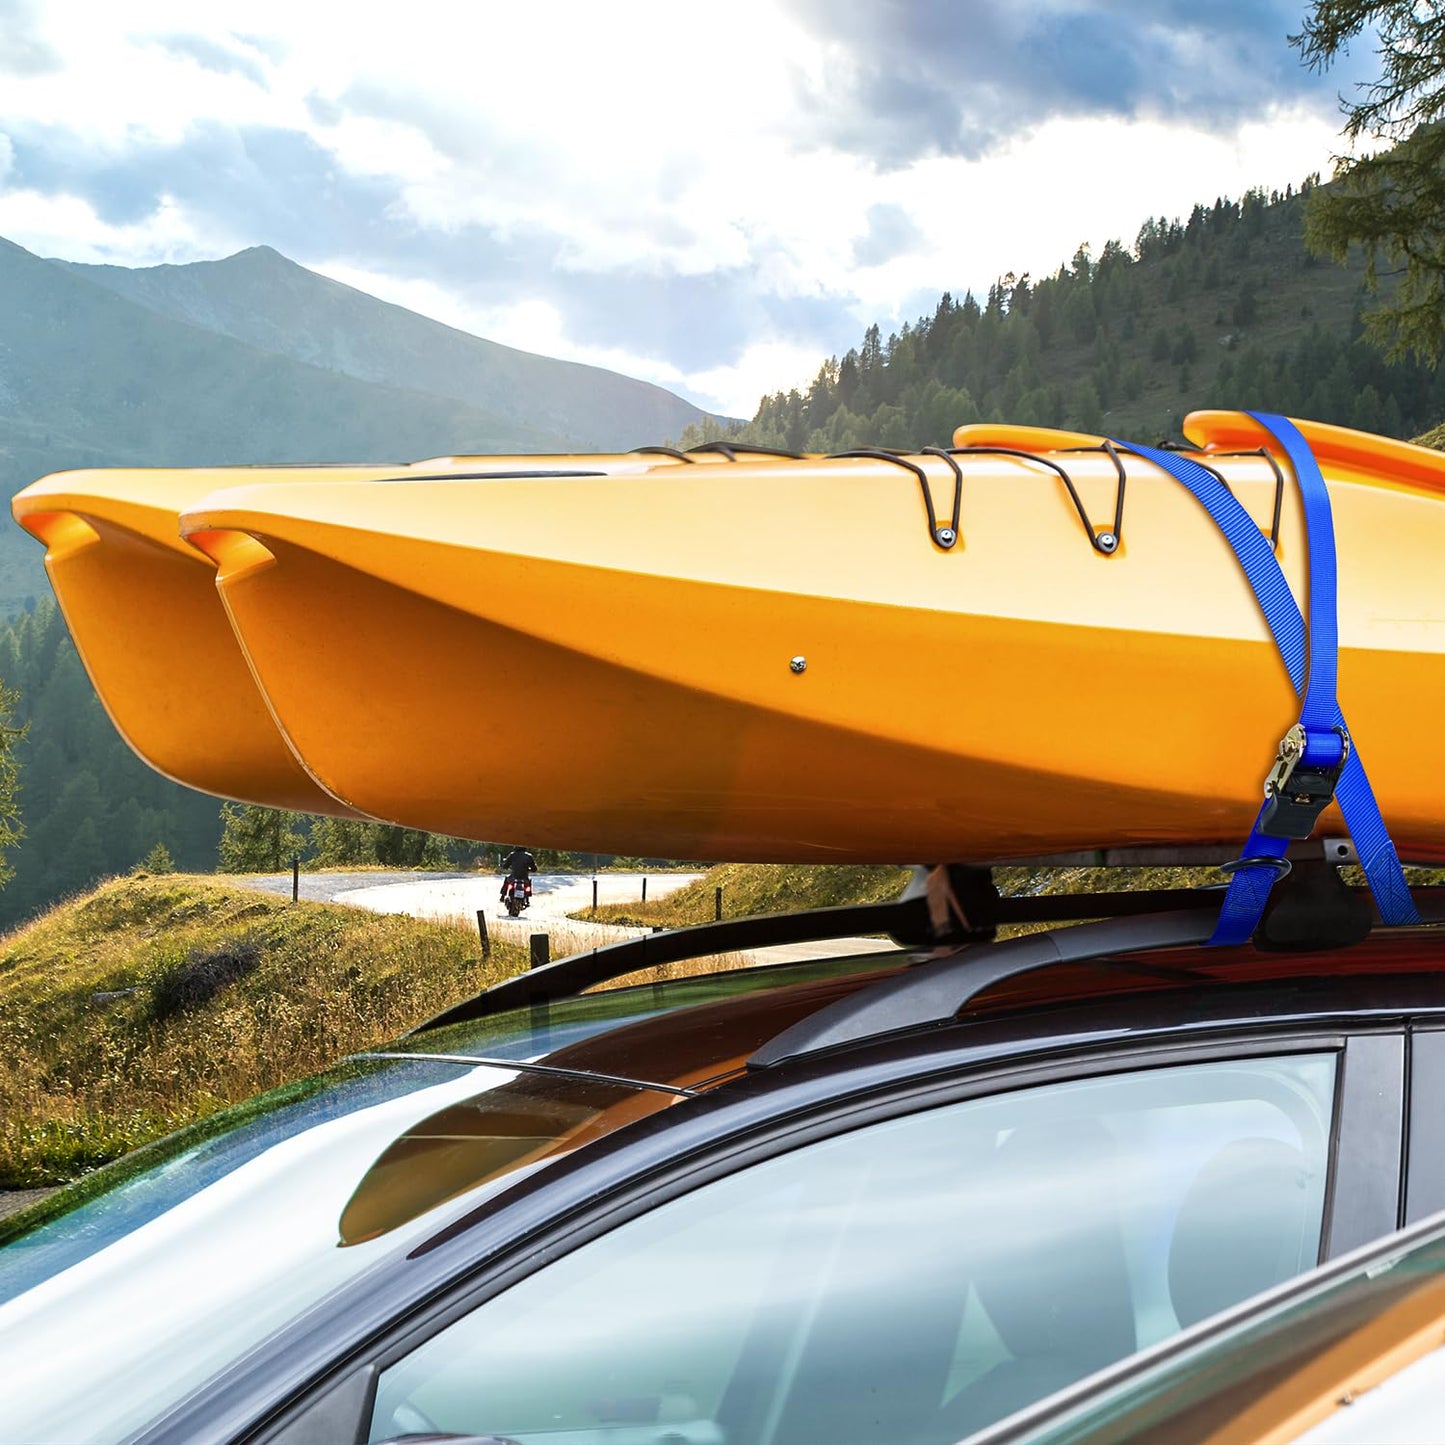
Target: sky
<point>712,196</point>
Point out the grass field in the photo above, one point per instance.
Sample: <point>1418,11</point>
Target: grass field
<point>750,888</point>
<point>156,1000</point>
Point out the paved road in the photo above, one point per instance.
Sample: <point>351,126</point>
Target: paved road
<point>554,895</point>
<point>323,887</point>
<point>461,895</point>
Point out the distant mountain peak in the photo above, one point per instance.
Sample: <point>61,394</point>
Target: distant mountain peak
<point>269,301</point>
<point>268,254</point>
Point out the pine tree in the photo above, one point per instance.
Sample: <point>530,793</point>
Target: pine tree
<point>1391,202</point>
<point>158,860</point>
<point>259,840</point>
<point>11,830</point>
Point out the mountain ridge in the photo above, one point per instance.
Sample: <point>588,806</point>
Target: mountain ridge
<point>267,300</point>
<point>91,379</point>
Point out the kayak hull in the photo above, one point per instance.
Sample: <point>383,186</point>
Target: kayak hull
<point>771,660</point>
<point>613,668</point>
<point>530,739</point>
<point>142,607</point>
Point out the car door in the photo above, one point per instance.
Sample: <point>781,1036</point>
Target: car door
<point>932,1258</point>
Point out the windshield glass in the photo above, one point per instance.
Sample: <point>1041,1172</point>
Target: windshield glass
<point>174,1262</point>
<point>590,1031</point>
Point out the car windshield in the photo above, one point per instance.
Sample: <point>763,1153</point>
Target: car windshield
<point>275,1204</point>
<point>207,1245</point>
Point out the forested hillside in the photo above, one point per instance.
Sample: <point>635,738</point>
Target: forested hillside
<point>1226,309</point>
<point>89,805</point>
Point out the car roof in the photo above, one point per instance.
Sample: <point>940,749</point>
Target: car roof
<point>695,1032</point>
<point>954,962</point>
<point>583,1085</point>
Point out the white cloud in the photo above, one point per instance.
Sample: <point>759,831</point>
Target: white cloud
<point>67,228</point>
<point>654,137</point>
<point>765,367</point>
<point>1029,207</point>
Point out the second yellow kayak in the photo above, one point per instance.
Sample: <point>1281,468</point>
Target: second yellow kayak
<point>782,661</point>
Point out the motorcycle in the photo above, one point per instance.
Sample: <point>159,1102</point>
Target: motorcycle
<point>516,895</point>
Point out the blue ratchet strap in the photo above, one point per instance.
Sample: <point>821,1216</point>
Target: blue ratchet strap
<point>1316,759</point>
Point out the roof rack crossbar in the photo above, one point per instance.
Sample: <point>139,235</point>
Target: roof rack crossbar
<point>935,992</point>
<point>1151,855</point>
<point>906,921</point>
<point>942,988</point>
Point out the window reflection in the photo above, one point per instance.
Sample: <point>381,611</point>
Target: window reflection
<point>908,1282</point>
<point>477,1140</point>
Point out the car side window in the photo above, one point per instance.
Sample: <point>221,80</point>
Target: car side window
<point>909,1281</point>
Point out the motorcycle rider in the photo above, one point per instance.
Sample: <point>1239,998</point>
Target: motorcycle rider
<point>520,865</point>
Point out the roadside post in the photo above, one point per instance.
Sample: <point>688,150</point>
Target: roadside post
<point>295,877</point>
<point>644,887</point>
<point>541,950</point>
<point>717,905</point>
<point>482,929</point>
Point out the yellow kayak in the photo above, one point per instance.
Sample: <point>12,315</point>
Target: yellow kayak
<point>798,659</point>
<point>142,607</point>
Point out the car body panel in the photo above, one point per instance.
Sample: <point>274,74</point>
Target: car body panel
<point>491,1246</point>
<point>442,1236</point>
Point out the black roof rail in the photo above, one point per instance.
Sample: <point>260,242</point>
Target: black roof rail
<point>907,921</point>
<point>572,975</point>
<point>940,989</point>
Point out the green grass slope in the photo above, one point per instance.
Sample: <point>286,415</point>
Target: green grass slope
<point>156,1000</point>
<point>750,888</point>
